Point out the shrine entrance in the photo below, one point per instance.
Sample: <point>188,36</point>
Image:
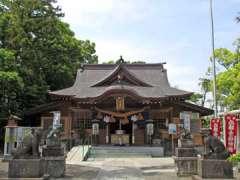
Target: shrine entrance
<point>122,116</point>
<point>127,128</point>
<point>122,128</point>
<point>120,134</point>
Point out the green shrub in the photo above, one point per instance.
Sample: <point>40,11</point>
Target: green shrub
<point>235,158</point>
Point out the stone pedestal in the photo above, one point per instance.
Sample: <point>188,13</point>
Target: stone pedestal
<point>54,166</point>
<point>186,161</point>
<point>212,168</point>
<point>186,152</point>
<point>187,143</point>
<point>54,161</point>
<point>186,166</point>
<point>25,168</point>
<point>52,151</point>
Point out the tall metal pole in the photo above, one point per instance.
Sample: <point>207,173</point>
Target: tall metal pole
<point>213,63</point>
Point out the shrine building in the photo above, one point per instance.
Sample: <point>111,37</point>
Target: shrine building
<point>122,104</point>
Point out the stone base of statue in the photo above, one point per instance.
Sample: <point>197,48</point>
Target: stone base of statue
<point>213,168</point>
<point>186,166</point>
<point>25,168</point>
<point>185,152</point>
<point>54,161</point>
<point>188,143</point>
<point>54,166</point>
<point>52,151</point>
<point>186,158</point>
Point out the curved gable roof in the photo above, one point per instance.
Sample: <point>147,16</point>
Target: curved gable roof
<point>151,79</point>
<point>124,73</point>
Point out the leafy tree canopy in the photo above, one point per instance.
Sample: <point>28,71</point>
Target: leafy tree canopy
<point>228,77</point>
<point>196,98</point>
<point>11,87</point>
<point>38,52</point>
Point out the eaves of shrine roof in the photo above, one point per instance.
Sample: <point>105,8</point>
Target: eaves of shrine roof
<point>145,80</point>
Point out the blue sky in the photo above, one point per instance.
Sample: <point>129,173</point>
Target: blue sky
<point>172,31</point>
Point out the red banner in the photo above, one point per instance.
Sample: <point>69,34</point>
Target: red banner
<point>216,126</point>
<point>231,132</point>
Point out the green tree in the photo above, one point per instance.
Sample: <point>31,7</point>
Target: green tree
<point>200,98</point>
<point>109,62</point>
<point>228,77</point>
<point>7,60</point>
<point>196,98</point>
<point>11,86</point>
<point>128,62</point>
<point>238,19</point>
<point>205,85</point>
<point>138,62</point>
<point>40,48</point>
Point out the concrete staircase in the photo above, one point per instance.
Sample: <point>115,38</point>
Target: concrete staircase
<point>103,152</point>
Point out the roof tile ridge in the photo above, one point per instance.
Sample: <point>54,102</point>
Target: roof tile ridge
<point>115,70</point>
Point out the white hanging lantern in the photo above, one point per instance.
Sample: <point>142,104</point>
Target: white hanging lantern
<point>134,118</point>
<point>106,119</point>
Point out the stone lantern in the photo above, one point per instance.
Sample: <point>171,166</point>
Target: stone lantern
<point>150,131</point>
<point>95,130</point>
<point>10,136</point>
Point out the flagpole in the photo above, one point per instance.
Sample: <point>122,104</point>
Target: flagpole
<point>213,62</point>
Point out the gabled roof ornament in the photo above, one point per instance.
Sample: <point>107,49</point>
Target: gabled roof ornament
<point>120,61</point>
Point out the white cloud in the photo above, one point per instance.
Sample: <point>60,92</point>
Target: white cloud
<point>82,12</point>
<point>132,50</point>
<point>93,15</point>
<point>96,13</point>
<point>185,77</point>
<point>111,50</point>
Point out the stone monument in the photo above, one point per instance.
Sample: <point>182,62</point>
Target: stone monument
<point>26,161</point>
<point>186,156</point>
<point>53,153</point>
<point>213,163</point>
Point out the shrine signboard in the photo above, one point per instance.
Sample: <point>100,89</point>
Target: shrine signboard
<point>172,128</point>
<point>231,133</point>
<point>186,118</point>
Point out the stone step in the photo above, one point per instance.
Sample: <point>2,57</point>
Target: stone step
<point>127,148</point>
<point>77,153</point>
<point>122,152</point>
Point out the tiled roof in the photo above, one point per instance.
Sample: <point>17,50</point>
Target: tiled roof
<point>153,75</point>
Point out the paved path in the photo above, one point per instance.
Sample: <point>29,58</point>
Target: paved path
<point>132,168</point>
<point>119,169</point>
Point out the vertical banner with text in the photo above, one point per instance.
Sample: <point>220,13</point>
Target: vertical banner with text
<point>216,126</point>
<point>231,132</point>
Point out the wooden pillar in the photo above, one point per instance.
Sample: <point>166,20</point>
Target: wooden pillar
<point>133,135</point>
<point>172,136</point>
<point>42,122</point>
<point>70,119</point>
<point>107,133</point>
<point>68,124</point>
<point>65,126</point>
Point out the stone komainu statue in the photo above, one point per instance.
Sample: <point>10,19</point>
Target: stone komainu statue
<point>185,134</point>
<point>215,149</point>
<point>29,147</point>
